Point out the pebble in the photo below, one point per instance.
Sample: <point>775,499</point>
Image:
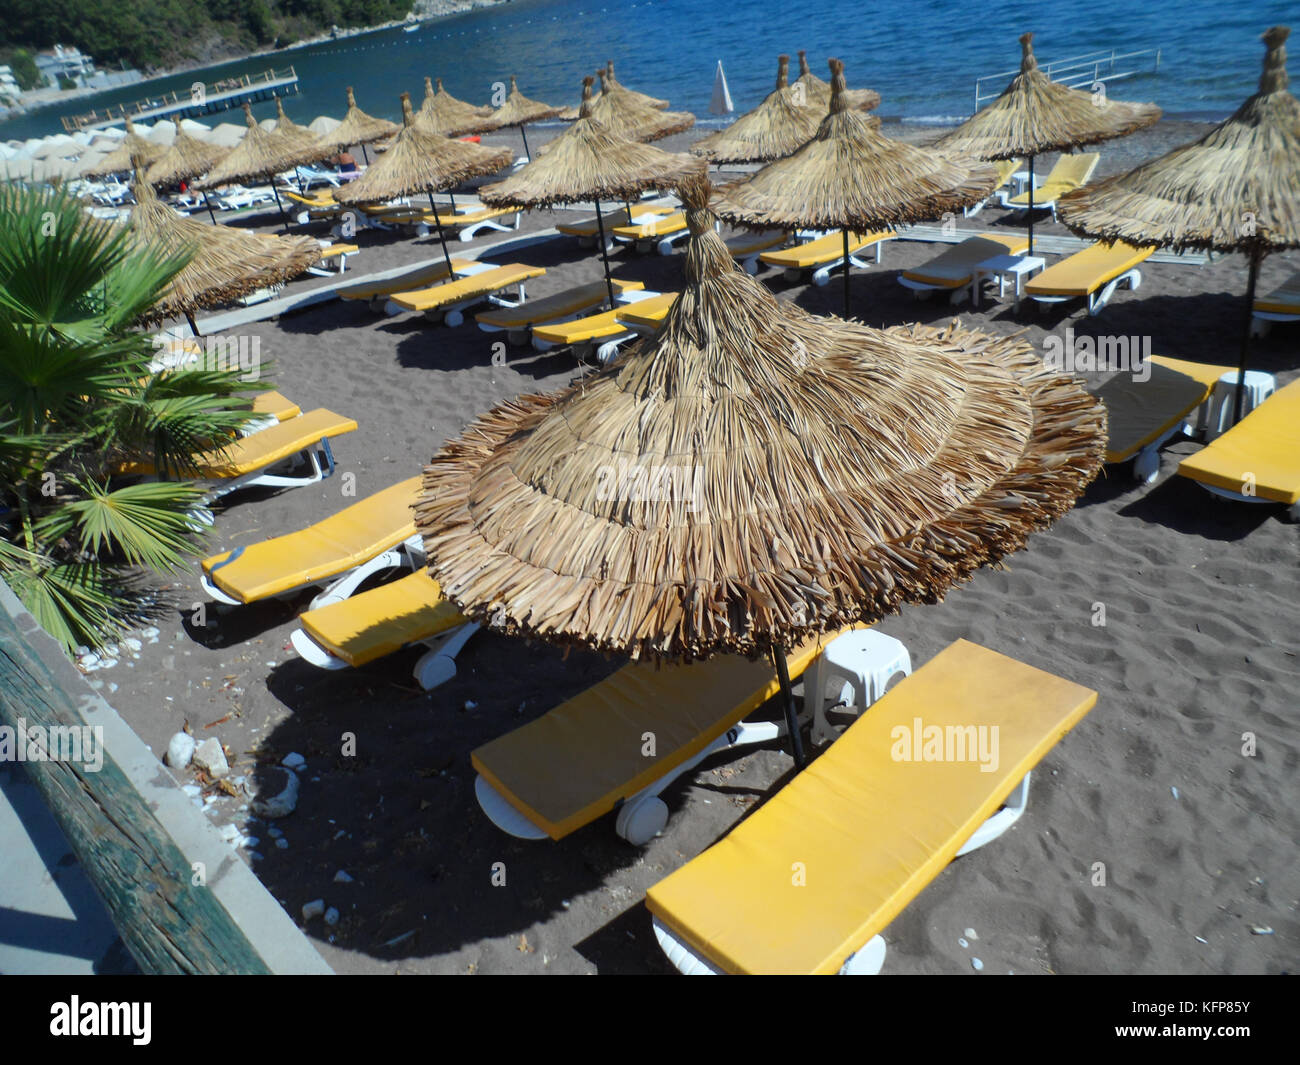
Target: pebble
<point>249,842</point>
<point>132,643</point>
<point>970,934</point>
<point>180,750</point>
<point>331,916</point>
<point>313,909</point>
<point>209,757</point>
<point>293,760</point>
<point>192,790</point>
<point>1260,930</point>
<point>275,833</point>
<point>283,804</point>
<point>1174,792</point>
<point>230,833</point>
<point>1200,940</point>
<point>976,964</point>
<point>470,704</point>
<point>963,942</point>
<point>342,878</point>
<point>282,843</point>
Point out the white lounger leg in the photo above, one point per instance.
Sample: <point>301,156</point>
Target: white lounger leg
<point>410,554</point>
<point>1097,300</point>
<point>318,457</point>
<point>867,961</point>
<point>1000,821</point>
<point>438,664</point>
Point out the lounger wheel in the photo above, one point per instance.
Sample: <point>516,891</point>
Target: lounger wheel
<point>640,820</point>
<point>607,353</point>
<point>1146,467</point>
<point>453,319</point>
<point>518,337</point>
<point>1293,512</point>
<point>751,266</point>
<point>866,962</point>
<point>200,519</point>
<point>791,274</point>
<point>664,247</point>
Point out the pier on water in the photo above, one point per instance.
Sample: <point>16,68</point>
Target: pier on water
<point>202,99</point>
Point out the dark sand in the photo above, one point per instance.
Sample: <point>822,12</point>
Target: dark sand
<point>1202,604</point>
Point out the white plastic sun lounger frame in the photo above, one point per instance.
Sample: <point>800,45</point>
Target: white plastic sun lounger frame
<point>868,959</point>
<point>409,554</point>
<point>469,232</point>
<point>318,457</point>
<point>606,350</point>
<point>1262,321</point>
<point>434,668</point>
<point>1098,298</point>
<point>453,314</point>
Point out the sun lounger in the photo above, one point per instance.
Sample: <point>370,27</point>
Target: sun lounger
<point>1069,173</point>
<point>315,207</point>
<point>807,883</point>
<point>448,300</point>
<point>603,332</point>
<point>660,232</point>
<point>1280,305</point>
<point>237,197</point>
<point>1006,168</point>
<point>465,224</point>
<point>372,535</point>
<point>953,270</point>
<point>588,232</point>
<point>1092,274</point>
<point>1258,459</point>
<point>646,316</point>
<point>1145,415</point>
<point>376,293</point>
<point>517,322</point>
<point>746,248</point>
<point>825,253</point>
<point>333,259</point>
<point>588,756</point>
<point>367,627</point>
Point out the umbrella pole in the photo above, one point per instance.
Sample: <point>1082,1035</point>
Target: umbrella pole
<point>283,217</point>
<point>1239,398</point>
<point>365,155</point>
<point>452,196</point>
<point>1030,216</point>
<point>208,204</point>
<point>524,133</point>
<point>189,317</point>
<point>604,253</point>
<point>787,696</point>
<point>845,234</point>
<point>442,239</point>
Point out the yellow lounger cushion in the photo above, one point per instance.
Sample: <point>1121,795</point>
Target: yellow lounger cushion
<point>330,547</point>
<point>382,620</point>
<point>656,227</point>
<point>571,301</point>
<point>1285,299</point>
<point>426,275</point>
<point>1069,173</point>
<point>577,762</point>
<point>822,250</point>
<point>593,327</point>
<point>588,228</point>
<point>1086,271</point>
<point>748,243</point>
<point>1005,168</point>
<point>450,219</point>
<point>263,448</point>
<point>274,404</point>
<point>1265,443</point>
<point>465,289</point>
<point>648,313</point>
<point>311,199</point>
<point>1138,412</point>
<point>955,266</point>
<point>335,250</point>
<point>868,831</point>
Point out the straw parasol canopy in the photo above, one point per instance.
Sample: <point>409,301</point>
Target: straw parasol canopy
<point>588,162</point>
<point>120,159</point>
<point>775,128</point>
<point>1035,114</point>
<point>228,262</point>
<point>518,110</point>
<point>356,127</point>
<point>850,176</point>
<point>187,158</point>
<point>259,154</point>
<point>612,83</point>
<point>1235,189</point>
<point>419,161</point>
<point>818,473</point>
<point>443,113</point>
<point>623,114</point>
<point>818,92</point>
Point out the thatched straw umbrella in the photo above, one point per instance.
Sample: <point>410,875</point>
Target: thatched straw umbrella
<point>302,146</point>
<point>1235,189</point>
<point>187,158</point>
<point>851,176</point>
<point>120,159</point>
<point>357,127</point>
<point>612,83</point>
<point>818,92</point>
<point>623,114</point>
<point>830,474</point>
<point>1035,114</point>
<point>775,128</point>
<point>588,162</point>
<point>518,110</point>
<point>443,113</point>
<point>228,262</point>
<point>423,162</point>
<point>260,155</point>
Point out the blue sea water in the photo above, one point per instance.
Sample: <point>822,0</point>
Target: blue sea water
<point>922,56</point>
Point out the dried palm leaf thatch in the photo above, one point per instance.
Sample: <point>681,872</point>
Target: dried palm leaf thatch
<point>356,127</point>
<point>119,160</point>
<point>1235,189</point>
<point>302,146</point>
<point>588,162</point>
<point>622,113</point>
<point>1035,114</point>
<point>612,83</point>
<point>517,111</point>
<point>187,158</point>
<point>421,162</point>
<point>227,263</point>
<point>851,176</point>
<point>259,155</point>
<point>443,113</point>
<point>753,474</point>
<point>818,92</point>
<point>774,129</point>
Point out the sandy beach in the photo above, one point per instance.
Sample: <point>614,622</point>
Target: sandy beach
<point>1199,647</point>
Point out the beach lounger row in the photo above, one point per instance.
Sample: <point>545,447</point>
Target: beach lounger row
<point>1070,172</point>
<point>1280,305</point>
<point>822,254</point>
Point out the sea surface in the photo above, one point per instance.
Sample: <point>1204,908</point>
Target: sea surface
<point>922,56</point>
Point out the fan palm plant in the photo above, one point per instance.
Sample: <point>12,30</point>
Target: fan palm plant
<point>78,400</point>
